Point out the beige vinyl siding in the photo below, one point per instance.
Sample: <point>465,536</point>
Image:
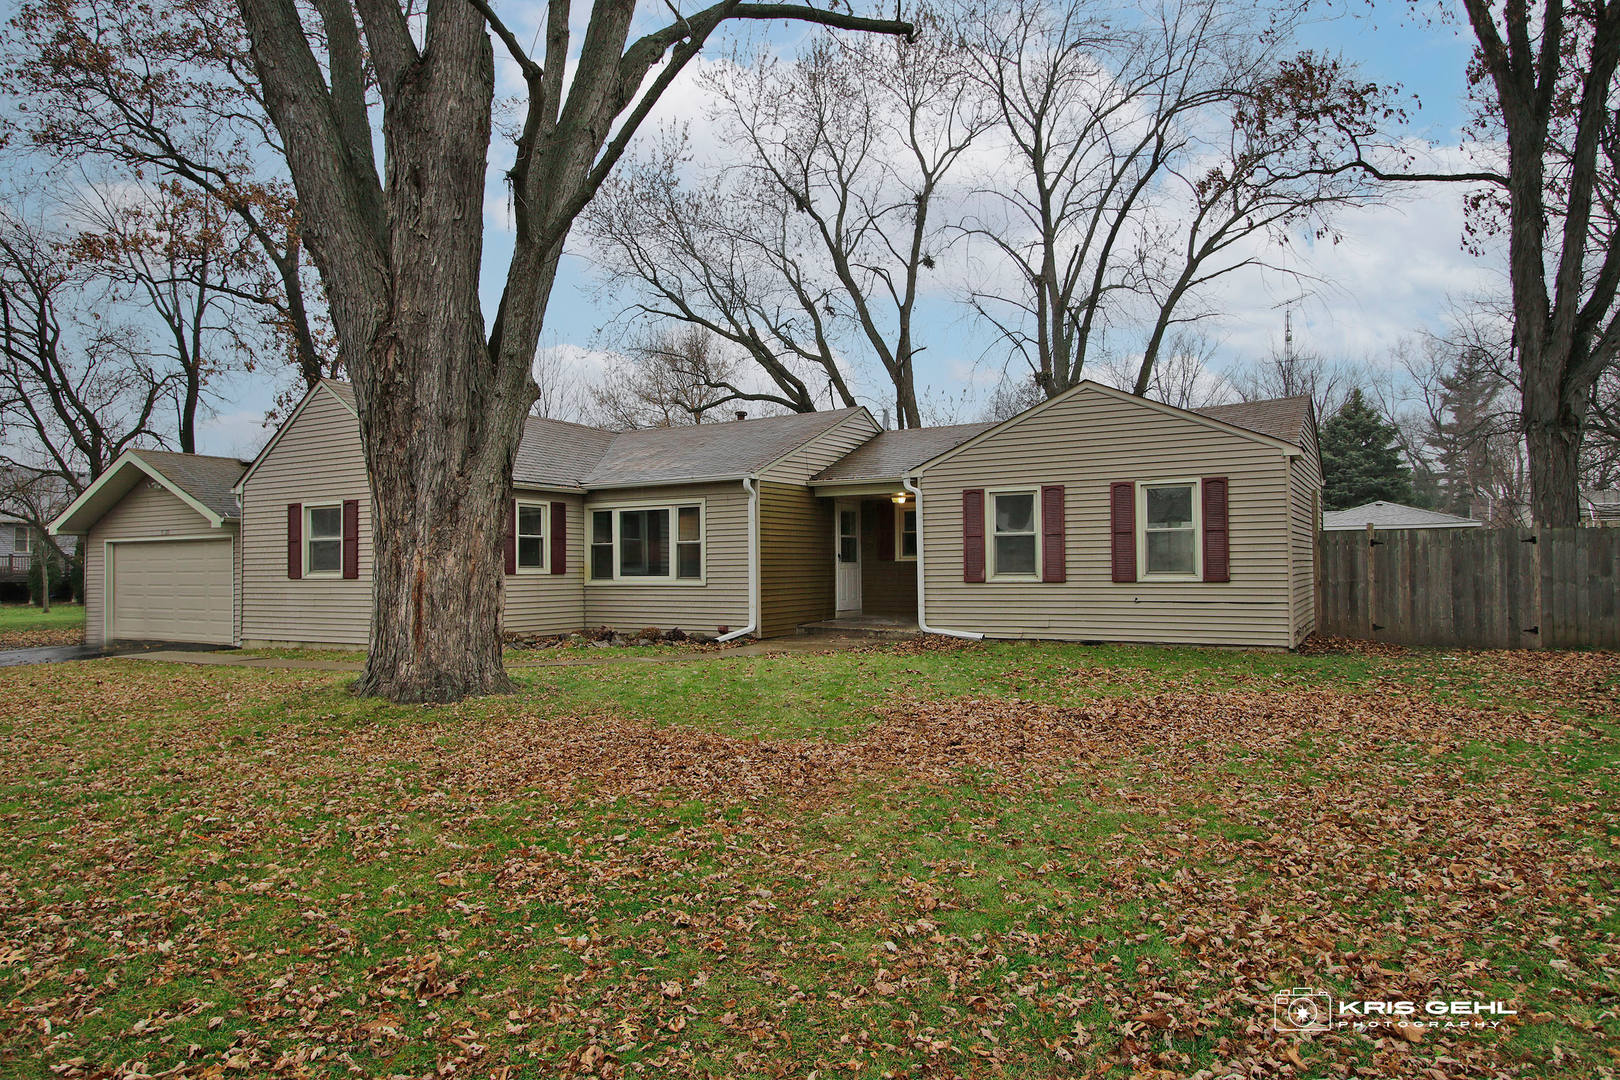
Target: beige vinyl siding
<point>796,552</point>
<point>317,459</point>
<point>149,510</point>
<point>551,603</point>
<point>722,600</point>
<point>1305,481</point>
<point>820,452</point>
<point>1085,442</point>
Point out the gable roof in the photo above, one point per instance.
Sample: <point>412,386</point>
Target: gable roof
<point>891,454</point>
<point>1388,515</point>
<point>724,451</point>
<point>1290,447</point>
<point>202,482</point>
<point>1282,418</point>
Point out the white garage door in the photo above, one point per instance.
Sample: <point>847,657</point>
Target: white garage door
<point>172,590</point>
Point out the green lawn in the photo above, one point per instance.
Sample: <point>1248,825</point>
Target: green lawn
<point>21,617</point>
<point>968,860</point>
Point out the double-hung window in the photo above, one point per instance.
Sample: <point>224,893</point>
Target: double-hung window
<point>648,543</point>
<point>20,540</point>
<point>1014,550</point>
<point>906,531</point>
<point>323,540</point>
<point>1170,526</point>
<point>531,536</point>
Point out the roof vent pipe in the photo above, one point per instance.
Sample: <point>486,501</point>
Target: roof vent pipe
<point>741,415</point>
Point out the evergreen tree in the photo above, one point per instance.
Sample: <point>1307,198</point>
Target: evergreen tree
<point>1360,458</point>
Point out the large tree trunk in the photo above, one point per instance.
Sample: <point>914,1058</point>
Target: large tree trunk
<point>440,424</point>
<point>1553,433</point>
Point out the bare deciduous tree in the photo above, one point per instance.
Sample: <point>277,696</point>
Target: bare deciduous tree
<point>441,396</point>
<point>189,265</point>
<point>1543,78</point>
<point>725,255</point>
<point>671,377</point>
<point>1148,156</point>
<point>75,391</point>
<point>860,136</point>
<point>165,91</point>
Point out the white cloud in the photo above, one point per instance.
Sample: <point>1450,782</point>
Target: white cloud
<point>235,434</point>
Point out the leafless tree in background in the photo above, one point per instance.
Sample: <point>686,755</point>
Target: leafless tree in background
<point>817,236</point>
<point>1182,376</point>
<point>726,255</point>
<point>672,376</point>
<point>76,388</point>
<point>193,269</point>
<point>1147,157</point>
<point>1290,373</point>
<point>164,94</point>
<point>860,136</point>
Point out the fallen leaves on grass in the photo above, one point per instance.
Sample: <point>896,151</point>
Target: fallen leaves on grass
<point>969,887</point>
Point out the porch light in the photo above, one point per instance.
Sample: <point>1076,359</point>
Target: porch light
<point>900,500</point>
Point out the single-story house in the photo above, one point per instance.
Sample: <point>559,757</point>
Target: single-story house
<point>1389,515</point>
<point>1095,515</point>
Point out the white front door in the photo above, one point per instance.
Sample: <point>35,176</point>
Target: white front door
<point>847,554</point>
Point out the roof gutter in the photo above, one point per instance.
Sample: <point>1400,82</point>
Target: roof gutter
<point>922,609</point>
<point>752,485</point>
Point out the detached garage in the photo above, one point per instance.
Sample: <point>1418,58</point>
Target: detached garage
<point>162,554</point>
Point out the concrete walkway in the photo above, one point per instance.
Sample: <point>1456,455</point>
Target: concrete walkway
<point>60,654</point>
<point>793,646</point>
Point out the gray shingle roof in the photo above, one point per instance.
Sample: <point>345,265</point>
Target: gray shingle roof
<point>890,454</point>
<point>207,479</point>
<point>1388,515</point>
<point>737,448</point>
<point>1281,418</point>
<point>557,453</point>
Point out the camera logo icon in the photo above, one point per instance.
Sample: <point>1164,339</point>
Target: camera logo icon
<point>1303,1009</point>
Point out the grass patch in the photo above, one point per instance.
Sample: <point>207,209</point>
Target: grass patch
<point>991,860</point>
<point>15,618</point>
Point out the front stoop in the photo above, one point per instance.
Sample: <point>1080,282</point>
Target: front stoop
<point>867,626</point>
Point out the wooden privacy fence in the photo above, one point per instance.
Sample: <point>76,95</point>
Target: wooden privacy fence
<point>1471,588</point>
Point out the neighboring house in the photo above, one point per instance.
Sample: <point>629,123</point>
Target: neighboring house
<point>27,492</point>
<point>1095,515</point>
<point>16,549</point>
<point>1601,507</point>
<point>1388,515</point>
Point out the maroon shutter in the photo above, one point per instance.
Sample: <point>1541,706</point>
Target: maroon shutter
<point>1122,529</point>
<point>1217,531</point>
<point>511,537</point>
<point>973,534</point>
<point>351,538</point>
<point>886,513</point>
<point>1054,561</point>
<point>295,540</point>
<point>559,538</point>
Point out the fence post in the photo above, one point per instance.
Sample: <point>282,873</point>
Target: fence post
<point>1372,582</point>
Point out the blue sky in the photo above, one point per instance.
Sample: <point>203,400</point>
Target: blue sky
<point>1392,275</point>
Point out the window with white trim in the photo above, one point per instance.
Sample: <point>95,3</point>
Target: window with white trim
<point>531,536</point>
<point>21,540</point>
<point>1015,540</point>
<point>1169,529</point>
<point>905,531</point>
<point>651,544</point>
<point>323,539</point>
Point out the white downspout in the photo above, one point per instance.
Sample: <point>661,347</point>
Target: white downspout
<point>922,616</point>
<point>753,562</point>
